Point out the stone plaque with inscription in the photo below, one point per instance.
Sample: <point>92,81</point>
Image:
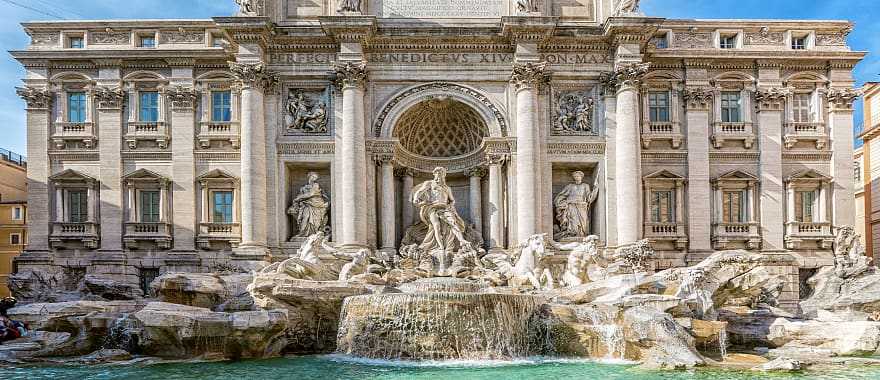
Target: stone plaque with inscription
<point>440,8</point>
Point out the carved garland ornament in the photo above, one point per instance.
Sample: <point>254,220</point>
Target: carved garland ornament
<point>529,75</point>
<point>109,98</point>
<point>446,87</point>
<point>182,97</point>
<point>36,98</point>
<point>771,99</point>
<point>841,98</point>
<point>253,75</point>
<point>350,74</point>
<point>697,97</point>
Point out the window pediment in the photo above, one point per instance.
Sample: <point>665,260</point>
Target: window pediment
<point>663,175</point>
<point>808,176</point>
<point>217,176</point>
<point>144,175</point>
<point>72,177</point>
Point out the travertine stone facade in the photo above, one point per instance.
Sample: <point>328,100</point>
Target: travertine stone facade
<point>699,135</point>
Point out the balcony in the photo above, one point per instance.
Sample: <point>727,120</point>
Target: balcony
<point>67,131</point>
<point>815,132</point>
<point>85,233</point>
<point>218,131</point>
<point>796,233</point>
<point>671,232</point>
<point>218,232</point>
<point>661,131</point>
<point>159,233</point>
<point>722,132</point>
<point>736,235</point>
<point>147,131</point>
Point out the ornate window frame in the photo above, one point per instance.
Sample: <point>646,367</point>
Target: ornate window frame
<point>669,130</point>
<point>65,133</point>
<point>137,130</point>
<point>820,229</point>
<point>62,230</point>
<point>210,130</point>
<point>725,234</point>
<point>814,129</point>
<point>208,232</point>
<point>676,231</point>
<point>137,230</point>
<point>743,130</point>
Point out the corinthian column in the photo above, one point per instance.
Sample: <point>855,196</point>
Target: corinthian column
<point>351,77</point>
<point>39,104</point>
<point>476,197</point>
<point>386,201</point>
<point>527,79</point>
<point>254,79</point>
<point>628,158</point>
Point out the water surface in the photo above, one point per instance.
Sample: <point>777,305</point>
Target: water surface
<point>335,367</point>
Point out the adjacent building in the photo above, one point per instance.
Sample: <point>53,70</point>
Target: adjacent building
<point>13,212</point>
<point>868,168</point>
<point>183,144</point>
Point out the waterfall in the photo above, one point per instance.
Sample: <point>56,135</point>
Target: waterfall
<point>722,343</point>
<point>608,331</point>
<point>442,325</point>
<point>122,334</point>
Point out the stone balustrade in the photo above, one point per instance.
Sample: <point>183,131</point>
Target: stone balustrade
<point>147,131</point>
<point>805,131</point>
<point>220,131</point>
<point>218,232</point>
<point>158,232</point>
<point>818,232</point>
<point>659,131</point>
<point>667,231</point>
<point>84,232</point>
<point>741,131</point>
<point>70,131</point>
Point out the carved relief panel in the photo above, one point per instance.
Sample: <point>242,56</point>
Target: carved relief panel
<point>573,112</point>
<point>305,111</point>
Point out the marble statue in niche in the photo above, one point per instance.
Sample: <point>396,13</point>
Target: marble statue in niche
<point>574,114</point>
<point>349,6</point>
<point>250,7</point>
<point>573,206</point>
<point>626,7</point>
<point>527,6</point>
<point>309,209</point>
<point>305,114</point>
<point>437,210</point>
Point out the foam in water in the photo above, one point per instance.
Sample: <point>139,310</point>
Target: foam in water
<point>609,332</point>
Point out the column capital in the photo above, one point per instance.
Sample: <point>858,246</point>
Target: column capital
<point>627,76</point>
<point>37,98</point>
<point>771,99</point>
<point>404,172</point>
<point>383,158</point>
<point>698,98</point>
<point>529,75</point>
<point>496,158</point>
<point>253,75</point>
<point>477,171</point>
<point>109,98</point>
<point>351,74</point>
<point>182,98</point>
<point>841,99</point>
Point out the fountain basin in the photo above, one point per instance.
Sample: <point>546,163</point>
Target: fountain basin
<point>441,284</point>
<point>443,326</point>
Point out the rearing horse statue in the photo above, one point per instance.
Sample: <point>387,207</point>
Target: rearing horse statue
<point>530,265</point>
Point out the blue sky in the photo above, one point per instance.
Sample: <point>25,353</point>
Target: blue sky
<point>865,13</point>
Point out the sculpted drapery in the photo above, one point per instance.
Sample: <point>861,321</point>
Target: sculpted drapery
<point>573,205</point>
<point>437,211</point>
<point>310,208</point>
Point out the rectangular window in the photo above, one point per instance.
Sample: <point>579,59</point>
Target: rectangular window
<point>17,213</point>
<point>734,206</point>
<point>75,43</point>
<point>662,41</point>
<point>804,201</point>
<point>149,106</point>
<point>149,206</point>
<point>798,43</point>
<point>77,206</point>
<point>730,107</point>
<point>727,42</point>
<point>800,107</point>
<point>222,207</point>
<point>221,106</point>
<point>662,206</point>
<point>658,106</point>
<point>76,107</point>
<point>14,239</point>
<point>148,41</point>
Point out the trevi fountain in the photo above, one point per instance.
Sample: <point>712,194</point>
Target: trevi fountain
<point>423,199</point>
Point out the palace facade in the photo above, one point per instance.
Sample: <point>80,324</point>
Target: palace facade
<point>195,145</point>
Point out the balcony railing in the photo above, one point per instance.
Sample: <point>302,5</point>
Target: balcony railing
<point>652,131</point>
<point>218,131</point>
<point>722,132</point>
<point>85,232</point>
<point>147,131</point>
<point>210,232</point>
<point>809,131</point>
<point>69,131</point>
<point>798,232</point>
<point>725,235</point>
<point>667,231</point>
<point>158,232</point>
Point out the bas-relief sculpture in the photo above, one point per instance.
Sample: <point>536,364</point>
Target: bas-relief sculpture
<point>626,7</point>
<point>573,206</point>
<point>305,114</point>
<point>574,114</point>
<point>250,7</point>
<point>349,6</point>
<point>528,6</point>
<point>310,209</point>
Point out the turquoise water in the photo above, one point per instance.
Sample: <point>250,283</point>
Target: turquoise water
<point>331,367</point>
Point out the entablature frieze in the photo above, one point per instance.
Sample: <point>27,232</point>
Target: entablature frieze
<point>307,148</point>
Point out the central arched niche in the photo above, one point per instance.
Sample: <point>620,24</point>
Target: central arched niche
<point>441,127</point>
